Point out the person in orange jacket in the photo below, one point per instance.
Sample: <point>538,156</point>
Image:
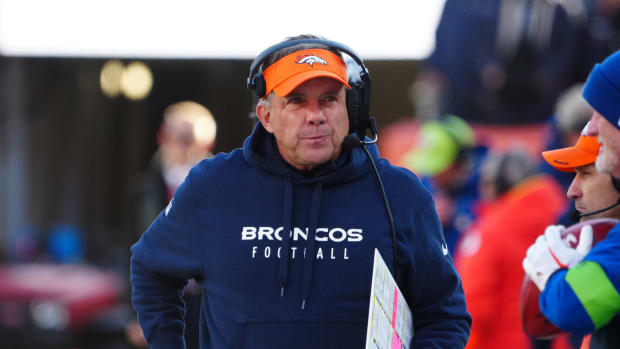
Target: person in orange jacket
<point>520,203</point>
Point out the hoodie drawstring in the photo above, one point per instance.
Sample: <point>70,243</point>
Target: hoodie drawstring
<point>287,221</point>
<point>310,257</point>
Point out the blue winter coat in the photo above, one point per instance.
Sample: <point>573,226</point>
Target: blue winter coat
<point>586,298</point>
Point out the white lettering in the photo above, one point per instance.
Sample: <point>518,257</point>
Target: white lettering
<point>265,232</point>
<point>333,232</point>
<point>278,233</point>
<point>322,237</point>
<point>355,235</point>
<point>301,234</point>
<point>297,232</point>
<point>248,233</point>
<point>319,254</point>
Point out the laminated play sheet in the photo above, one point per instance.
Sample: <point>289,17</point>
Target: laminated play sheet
<point>390,322</point>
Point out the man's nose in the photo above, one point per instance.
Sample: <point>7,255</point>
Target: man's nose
<point>574,192</point>
<point>316,115</point>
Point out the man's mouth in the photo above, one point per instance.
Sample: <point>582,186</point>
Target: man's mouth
<point>315,137</point>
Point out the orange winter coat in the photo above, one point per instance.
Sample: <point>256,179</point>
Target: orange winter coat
<point>490,255</point>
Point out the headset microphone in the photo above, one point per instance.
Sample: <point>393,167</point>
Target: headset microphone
<point>575,215</point>
<point>353,141</point>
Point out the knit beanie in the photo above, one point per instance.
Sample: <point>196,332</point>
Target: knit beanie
<point>602,90</point>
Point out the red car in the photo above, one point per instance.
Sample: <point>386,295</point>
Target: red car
<point>60,305</point>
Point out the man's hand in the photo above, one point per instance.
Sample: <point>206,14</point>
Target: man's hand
<point>550,253</point>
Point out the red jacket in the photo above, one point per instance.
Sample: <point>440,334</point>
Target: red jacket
<point>490,255</point>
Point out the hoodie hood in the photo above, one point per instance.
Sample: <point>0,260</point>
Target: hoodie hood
<point>260,150</point>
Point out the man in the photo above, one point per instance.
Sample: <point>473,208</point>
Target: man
<point>571,114</point>
<point>186,135</point>
<point>593,192</point>
<point>590,189</point>
<point>448,158</point>
<point>580,287</point>
<point>281,233</point>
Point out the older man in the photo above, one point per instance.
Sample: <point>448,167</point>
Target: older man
<point>281,233</point>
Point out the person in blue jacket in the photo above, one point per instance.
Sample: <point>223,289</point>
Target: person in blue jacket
<point>281,233</point>
<point>581,286</point>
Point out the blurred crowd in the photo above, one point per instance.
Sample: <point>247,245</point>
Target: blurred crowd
<point>503,85</point>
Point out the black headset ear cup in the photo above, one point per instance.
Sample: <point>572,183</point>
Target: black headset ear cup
<point>354,106</point>
<point>259,85</point>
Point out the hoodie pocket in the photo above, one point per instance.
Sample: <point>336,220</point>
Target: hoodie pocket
<point>300,333</point>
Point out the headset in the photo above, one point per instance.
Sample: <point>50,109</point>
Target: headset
<point>357,98</point>
<point>357,101</point>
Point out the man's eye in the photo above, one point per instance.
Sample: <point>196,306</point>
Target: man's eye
<point>295,100</point>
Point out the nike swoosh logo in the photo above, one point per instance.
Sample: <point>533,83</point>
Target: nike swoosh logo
<point>444,249</point>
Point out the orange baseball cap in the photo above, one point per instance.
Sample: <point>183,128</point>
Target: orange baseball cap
<point>583,153</point>
<point>292,70</point>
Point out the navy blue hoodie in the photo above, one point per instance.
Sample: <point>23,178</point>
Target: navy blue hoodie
<point>306,289</point>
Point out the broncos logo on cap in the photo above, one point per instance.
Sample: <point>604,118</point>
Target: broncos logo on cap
<point>310,59</point>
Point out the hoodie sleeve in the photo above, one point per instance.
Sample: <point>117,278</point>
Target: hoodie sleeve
<point>162,261</point>
<point>586,297</point>
<point>433,286</point>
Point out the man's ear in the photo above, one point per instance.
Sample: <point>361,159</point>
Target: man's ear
<point>263,112</point>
